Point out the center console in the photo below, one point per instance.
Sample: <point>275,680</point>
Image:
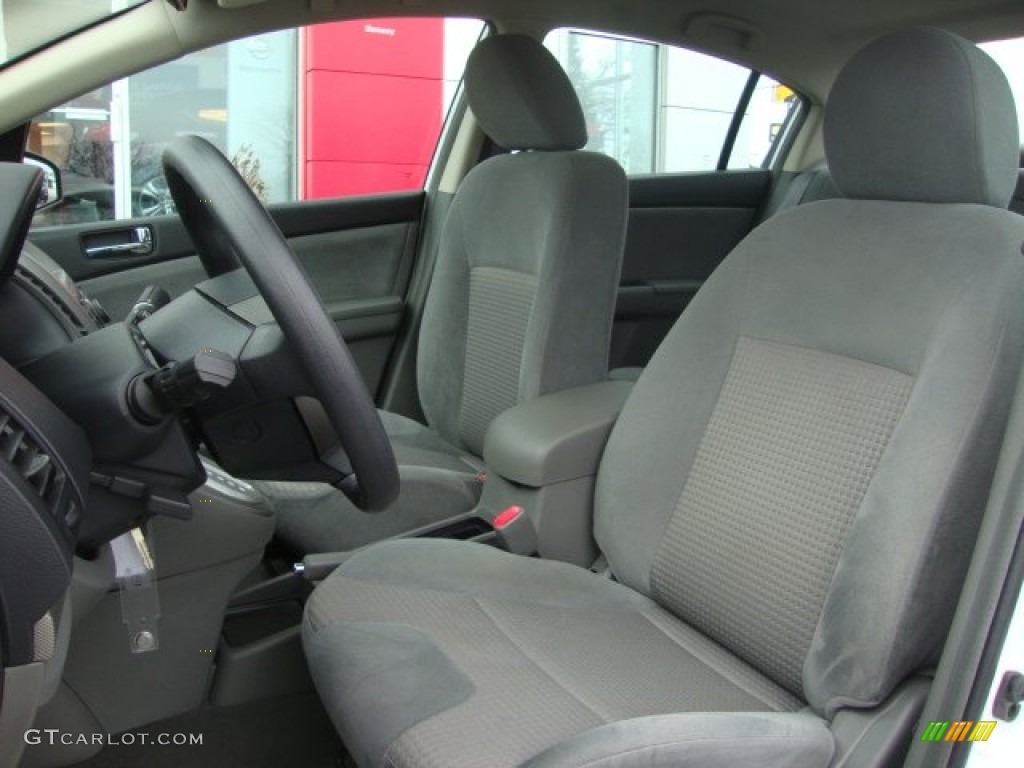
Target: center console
<point>538,494</point>
<point>109,688</point>
<point>542,458</point>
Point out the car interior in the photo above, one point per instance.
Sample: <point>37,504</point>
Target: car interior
<point>503,324</point>
<point>539,460</point>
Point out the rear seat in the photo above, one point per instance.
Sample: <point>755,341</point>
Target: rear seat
<point>807,187</point>
<point>796,189</point>
<point>816,184</point>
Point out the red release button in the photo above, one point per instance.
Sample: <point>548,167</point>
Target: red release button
<point>507,516</point>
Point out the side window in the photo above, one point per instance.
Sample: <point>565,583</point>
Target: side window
<point>617,84</point>
<point>662,109</point>
<point>1009,55</point>
<point>768,112</point>
<point>346,108</point>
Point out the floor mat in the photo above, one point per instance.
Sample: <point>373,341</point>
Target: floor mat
<point>285,731</point>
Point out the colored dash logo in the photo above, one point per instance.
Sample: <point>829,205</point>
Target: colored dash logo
<point>961,730</point>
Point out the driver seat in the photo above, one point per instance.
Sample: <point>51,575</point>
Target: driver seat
<point>788,502</point>
<point>520,305</point>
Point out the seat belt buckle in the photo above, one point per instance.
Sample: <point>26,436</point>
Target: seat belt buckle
<point>514,531</point>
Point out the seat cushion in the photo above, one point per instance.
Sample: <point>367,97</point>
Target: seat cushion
<point>418,647</point>
<point>416,445</point>
<point>438,482</point>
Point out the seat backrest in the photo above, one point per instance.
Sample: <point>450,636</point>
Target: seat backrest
<point>523,294</point>
<point>801,469</point>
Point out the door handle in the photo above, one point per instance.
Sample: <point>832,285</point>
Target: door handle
<point>139,243</point>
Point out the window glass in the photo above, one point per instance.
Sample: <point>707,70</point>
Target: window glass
<point>770,108</point>
<point>661,109</point>
<point>616,81</point>
<point>347,108</point>
<point>701,96</point>
<point>1009,54</point>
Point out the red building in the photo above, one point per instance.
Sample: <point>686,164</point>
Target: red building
<point>376,89</point>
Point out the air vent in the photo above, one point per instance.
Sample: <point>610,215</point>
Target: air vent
<point>30,460</point>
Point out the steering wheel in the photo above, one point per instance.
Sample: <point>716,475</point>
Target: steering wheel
<point>229,226</point>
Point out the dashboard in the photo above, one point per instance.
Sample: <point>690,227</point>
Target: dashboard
<point>45,457</point>
<point>42,309</point>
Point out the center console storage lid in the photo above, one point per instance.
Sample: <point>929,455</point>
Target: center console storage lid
<point>557,437</point>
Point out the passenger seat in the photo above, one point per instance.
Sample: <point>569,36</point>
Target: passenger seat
<point>804,187</point>
<point>790,191</point>
<point>520,304</point>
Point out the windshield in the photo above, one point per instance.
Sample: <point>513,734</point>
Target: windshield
<point>26,25</point>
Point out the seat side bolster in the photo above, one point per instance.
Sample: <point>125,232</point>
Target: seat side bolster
<point>794,740</point>
<point>389,678</point>
<point>916,528</point>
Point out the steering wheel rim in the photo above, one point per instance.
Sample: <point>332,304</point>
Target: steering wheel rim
<point>230,227</point>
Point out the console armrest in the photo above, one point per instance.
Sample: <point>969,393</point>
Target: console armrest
<point>557,437</point>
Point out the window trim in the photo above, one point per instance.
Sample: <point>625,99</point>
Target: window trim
<point>452,121</point>
<point>786,138</point>
<point>738,116</point>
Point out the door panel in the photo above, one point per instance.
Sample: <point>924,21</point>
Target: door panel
<point>366,262</point>
<point>117,291</point>
<point>681,226</point>
<point>359,253</point>
<point>172,242</point>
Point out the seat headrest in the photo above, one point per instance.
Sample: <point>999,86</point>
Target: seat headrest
<point>522,97</point>
<point>923,115</point>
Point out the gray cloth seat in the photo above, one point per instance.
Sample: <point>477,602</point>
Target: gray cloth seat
<point>522,641</point>
<point>807,186</point>
<point>520,305</point>
<point>787,503</point>
<point>438,481</point>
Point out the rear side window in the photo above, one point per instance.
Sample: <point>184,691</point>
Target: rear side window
<point>771,109</point>
<point>663,109</point>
